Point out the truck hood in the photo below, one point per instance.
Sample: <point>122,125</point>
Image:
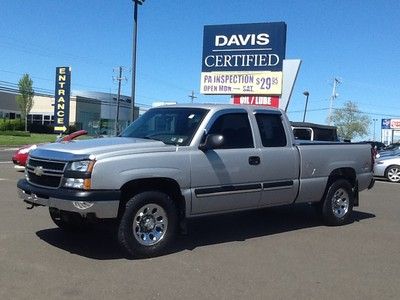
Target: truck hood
<point>100,148</point>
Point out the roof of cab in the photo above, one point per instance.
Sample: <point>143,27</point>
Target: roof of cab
<point>217,107</point>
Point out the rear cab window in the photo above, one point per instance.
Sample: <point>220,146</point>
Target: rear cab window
<point>271,130</point>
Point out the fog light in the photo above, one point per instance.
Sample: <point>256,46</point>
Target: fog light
<point>82,204</point>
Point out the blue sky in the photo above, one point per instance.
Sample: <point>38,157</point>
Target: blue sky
<point>357,41</point>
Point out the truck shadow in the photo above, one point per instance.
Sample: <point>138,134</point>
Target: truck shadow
<point>100,242</point>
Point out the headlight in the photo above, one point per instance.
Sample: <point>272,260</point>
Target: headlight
<point>27,149</point>
<point>78,173</point>
<point>81,166</point>
<point>76,183</point>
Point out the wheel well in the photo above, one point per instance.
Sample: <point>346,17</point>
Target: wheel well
<point>348,174</point>
<point>343,173</point>
<point>165,185</point>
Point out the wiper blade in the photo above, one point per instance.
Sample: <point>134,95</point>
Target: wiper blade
<point>151,138</point>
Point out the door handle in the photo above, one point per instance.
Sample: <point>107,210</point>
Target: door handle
<point>254,160</point>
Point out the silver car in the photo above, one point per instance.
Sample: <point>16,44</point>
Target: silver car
<point>389,167</point>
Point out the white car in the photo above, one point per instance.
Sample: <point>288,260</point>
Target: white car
<point>389,167</point>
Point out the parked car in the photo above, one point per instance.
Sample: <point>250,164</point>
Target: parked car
<point>389,167</point>
<point>180,162</point>
<point>21,155</point>
<point>388,153</point>
<point>394,146</point>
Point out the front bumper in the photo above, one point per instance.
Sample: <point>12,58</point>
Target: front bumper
<point>101,203</point>
<point>379,169</point>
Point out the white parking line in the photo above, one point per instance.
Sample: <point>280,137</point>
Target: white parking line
<point>9,149</point>
<point>6,162</point>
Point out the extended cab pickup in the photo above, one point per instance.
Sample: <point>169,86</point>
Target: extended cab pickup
<point>183,161</point>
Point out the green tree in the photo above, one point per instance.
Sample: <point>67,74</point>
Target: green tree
<point>25,99</point>
<point>350,121</point>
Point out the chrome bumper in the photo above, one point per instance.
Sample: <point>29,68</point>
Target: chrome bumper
<point>101,209</point>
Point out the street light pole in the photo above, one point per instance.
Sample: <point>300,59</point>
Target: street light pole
<point>134,44</point>
<point>305,93</point>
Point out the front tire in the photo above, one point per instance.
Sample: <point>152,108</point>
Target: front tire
<point>338,203</point>
<point>393,173</point>
<point>148,225</point>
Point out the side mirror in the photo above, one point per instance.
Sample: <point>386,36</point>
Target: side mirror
<point>213,141</point>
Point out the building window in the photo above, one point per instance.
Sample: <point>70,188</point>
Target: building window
<point>37,119</point>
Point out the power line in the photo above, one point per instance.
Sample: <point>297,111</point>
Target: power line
<point>52,80</point>
<point>359,111</point>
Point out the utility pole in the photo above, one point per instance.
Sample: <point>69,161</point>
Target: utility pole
<point>192,97</point>
<point>374,120</point>
<point>336,82</point>
<point>119,79</point>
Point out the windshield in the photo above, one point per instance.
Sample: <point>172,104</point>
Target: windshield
<point>173,126</point>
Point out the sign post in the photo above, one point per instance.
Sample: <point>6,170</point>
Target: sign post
<point>62,99</point>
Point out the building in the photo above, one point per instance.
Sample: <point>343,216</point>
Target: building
<point>92,111</point>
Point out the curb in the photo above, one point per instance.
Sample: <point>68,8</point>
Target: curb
<point>9,149</point>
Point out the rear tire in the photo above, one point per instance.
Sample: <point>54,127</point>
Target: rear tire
<point>393,173</point>
<point>338,204</point>
<point>148,225</point>
<point>68,221</point>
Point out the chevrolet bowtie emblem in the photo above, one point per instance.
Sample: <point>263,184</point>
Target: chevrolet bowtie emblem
<point>38,171</point>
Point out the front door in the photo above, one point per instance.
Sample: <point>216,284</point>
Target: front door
<point>226,179</point>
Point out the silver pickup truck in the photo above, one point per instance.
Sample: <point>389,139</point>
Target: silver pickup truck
<point>184,161</point>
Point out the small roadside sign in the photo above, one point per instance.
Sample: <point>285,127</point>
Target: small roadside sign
<point>62,99</point>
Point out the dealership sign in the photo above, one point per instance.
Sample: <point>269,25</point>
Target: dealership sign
<point>62,98</point>
<point>256,100</point>
<point>243,59</point>
<point>390,124</point>
<point>395,124</point>
<point>385,124</point>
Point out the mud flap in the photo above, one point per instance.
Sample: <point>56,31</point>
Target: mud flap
<point>356,195</point>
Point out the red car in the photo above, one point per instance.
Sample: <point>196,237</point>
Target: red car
<point>20,157</point>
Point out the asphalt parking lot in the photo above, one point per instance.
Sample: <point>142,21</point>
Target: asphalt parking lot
<point>276,253</point>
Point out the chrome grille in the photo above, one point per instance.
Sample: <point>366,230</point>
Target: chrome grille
<point>45,173</point>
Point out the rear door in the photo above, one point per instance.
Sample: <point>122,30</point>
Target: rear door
<point>279,160</point>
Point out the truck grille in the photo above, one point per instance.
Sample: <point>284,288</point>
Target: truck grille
<point>45,173</point>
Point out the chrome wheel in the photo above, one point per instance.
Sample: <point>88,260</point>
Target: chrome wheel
<point>150,224</point>
<point>393,174</point>
<point>340,203</point>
